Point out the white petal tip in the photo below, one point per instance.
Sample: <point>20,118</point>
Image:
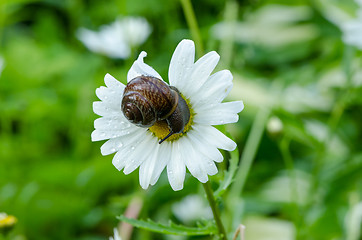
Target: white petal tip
<point>107,76</point>
<point>203,179</point>
<point>94,136</point>
<point>142,55</point>
<point>231,146</point>
<point>187,43</point>
<point>177,187</point>
<point>241,107</point>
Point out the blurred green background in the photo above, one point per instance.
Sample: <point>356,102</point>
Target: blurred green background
<point>288,59</point>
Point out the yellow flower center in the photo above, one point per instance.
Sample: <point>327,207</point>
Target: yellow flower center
<point>7,221</point>
<point>160,129</point>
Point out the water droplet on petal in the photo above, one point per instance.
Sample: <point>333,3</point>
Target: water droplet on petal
<point>132,148</point>
<point>113,149</point>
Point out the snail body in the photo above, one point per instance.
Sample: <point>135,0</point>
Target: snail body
<point>147,100</point>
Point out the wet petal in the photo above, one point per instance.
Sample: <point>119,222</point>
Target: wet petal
<point>200,72</point>
<point>139,68</point>
<point>113,83</point>
<point>192,158</point>
<point>176,169</point>
<point>207,149</point>
<point>215,137</point>
<point>215,89</point>
<point>122,156</point>
<point>221,113</point>
<point>181,63</point>
<point>140,152</point>
<point>104,109</point>
<point>148,167</point>
<point>164,156</point>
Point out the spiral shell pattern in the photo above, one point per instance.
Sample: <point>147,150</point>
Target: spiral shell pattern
<point>147,100</point>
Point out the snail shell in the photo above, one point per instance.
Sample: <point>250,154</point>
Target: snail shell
<point>147,100</point>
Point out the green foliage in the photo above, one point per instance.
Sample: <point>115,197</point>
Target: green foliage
<point>171,228</point>
<point>304,182</point>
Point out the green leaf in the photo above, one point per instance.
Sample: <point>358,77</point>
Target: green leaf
<point>171,228</point>
<point>229,175</point>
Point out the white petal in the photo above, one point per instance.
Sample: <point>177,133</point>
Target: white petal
<point>119,161</point>
<point>214,137</point>
<point>164,156</point>
<point>98,135</point>
<point>221,113</point>
<point>209,166</point>
<point>208,150</point>
<point>89,38</point>
<point>112,123</point>
<point>147,168</point>
<point>111,146</point>
<point>139,68</point>
<point>107,41</point>
<point>140,152</point>
<point>204,161</point>
<point>181,63</point>
<point>122,156</point>
<point>193,159</point>
<point>104,109</point>
<point>176,169</point>
<point>200,73</point>
<point>111,97</point>
<point>113,83</point>
<point>215,89</point>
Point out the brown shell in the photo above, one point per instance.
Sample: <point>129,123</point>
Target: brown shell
<point>147,100</point>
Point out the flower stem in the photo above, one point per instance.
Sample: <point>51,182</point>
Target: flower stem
<point>193,26</point>
<point>250,150</point>
<point>215,210</point>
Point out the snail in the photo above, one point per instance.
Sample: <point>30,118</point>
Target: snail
<point>147,100</point>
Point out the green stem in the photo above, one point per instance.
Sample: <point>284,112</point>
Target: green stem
<point>227,43</point>
<point>193,26</point>
<point>293,184</point>
<point>250,150</point>
<point>215,210</point>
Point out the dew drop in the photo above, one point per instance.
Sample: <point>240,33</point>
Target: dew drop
<point>120,144</point>
<point>132,148</point>
<point>113,149</point>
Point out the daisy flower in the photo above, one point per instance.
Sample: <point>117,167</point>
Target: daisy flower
<point>7,221</point>
<point>196,148</point>
<point>118,38</point>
